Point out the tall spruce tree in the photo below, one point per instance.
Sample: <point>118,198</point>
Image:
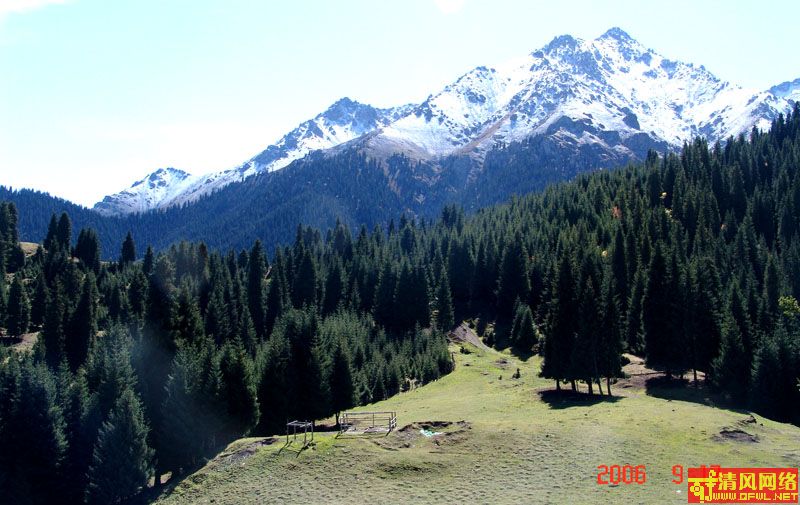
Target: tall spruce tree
<point>128,253</point>
<point>83,324</point>
<point>18,311</point>
<point>256,294</point>
<point>341,381</point>
<point>122,460</point>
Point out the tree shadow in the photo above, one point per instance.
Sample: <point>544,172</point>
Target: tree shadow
<point>686,390</point>
<point>7,341</point>
<point>567,398</point>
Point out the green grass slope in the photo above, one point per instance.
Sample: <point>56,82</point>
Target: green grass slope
<point>514,446</point>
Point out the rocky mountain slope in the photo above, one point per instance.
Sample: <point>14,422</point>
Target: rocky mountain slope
<point>602,102</point>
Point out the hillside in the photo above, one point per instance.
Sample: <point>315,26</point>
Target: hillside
<point>516,444</point>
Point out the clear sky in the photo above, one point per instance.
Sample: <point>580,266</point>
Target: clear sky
<point>95,94</point>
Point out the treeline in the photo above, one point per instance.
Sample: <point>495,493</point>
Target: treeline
<point>144,367</point>
<point>349,186</point>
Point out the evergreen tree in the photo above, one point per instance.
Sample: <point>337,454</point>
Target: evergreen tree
<point>148,263</point>
<point>731,368</point>
<point>444,304</point>
<point>39,302</point>
<point>660,319</point>
<point>83,324</point>
<point>128,253</point>
<point>610,333</point>
<point>383,308</point>
<point>53,326</point>
<point>523,333</point>
<point>561,325</point>
<point>64,232</point>
<point>334,289</point>
<point>341,381</point>
<point>273,386</point>
<point>122,460</point>
<point>32,442</point>
<point>513,282</point>
<point>304,287</point>
<point>87,249</point>
<point>18,309</point>
<point>51,239</point>
<point>256,295</point>
<point>238,390</point>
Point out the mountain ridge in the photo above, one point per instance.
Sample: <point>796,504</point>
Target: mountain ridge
<point>609,95</point>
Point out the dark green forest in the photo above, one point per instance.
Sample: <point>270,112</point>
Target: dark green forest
<point>346,186</point>
<point>689,259</point>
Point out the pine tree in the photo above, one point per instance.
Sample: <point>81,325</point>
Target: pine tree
<point>32,442</point>
<point>561,325</point>
<point>585,353</point>
<point>238,390</point>
<point>444,304</point>
<point>148,264</point>
<point>122,460</point>
<point>128,253</point>
<point>523,333</point>
<point>334,289</point>
<point>256,298</point>
<point>731,368</point>
<point>341,381</point>
<point>51,239</point>
<point>660,319</point>
<point>53,326</point>
<point>18,309</point>
<point>38,304</point>
<point>83,324</point>
<point>64,232</point>
<point>514,281</point>
<point>273,387</point>
<point>610,333</point>
<point>383,308</point>
<point>304,287</point>
<point>87,249</point>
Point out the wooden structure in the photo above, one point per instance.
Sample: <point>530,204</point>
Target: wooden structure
<point>362,423</point>
<point>300,425</point>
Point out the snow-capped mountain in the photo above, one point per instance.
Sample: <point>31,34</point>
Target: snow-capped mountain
<point>343,121</point>
<point>609,96</point>
<point>789,90</point>
<point>165,184</point>
<point>576,91</point>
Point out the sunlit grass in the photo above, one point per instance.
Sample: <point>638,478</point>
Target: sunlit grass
<point>517,448</point>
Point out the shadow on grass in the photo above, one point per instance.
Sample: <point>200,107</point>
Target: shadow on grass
<point>6,341</point>
<point>567,398</point>
<point>685,390</point>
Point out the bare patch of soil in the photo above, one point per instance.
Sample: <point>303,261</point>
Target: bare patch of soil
<point>243,453</point>
<point>637,374</point>
<point>463,333</point>
<point>734,435</point>
<point>447,433</point>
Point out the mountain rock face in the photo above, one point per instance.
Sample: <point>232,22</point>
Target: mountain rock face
<point>577,92</point>
<point>343,121</point>
<point>163,185</point>
<point>588,104</point>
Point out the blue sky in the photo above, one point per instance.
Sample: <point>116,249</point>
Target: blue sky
<point>95,94</point>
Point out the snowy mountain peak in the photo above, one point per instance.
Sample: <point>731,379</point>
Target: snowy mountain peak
<point>145,194</point>
<point>343,121</point>
<point>619,35</point>
<point>610,92</point>
<point>611,96</point>
<point>789,90</point>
